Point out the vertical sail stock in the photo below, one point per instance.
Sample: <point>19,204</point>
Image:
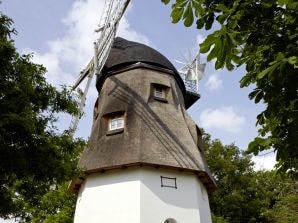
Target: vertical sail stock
<point>107,28</point>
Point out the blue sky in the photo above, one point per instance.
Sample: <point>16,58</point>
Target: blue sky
<point>61,36</point>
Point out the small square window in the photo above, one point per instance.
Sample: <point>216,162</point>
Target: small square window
<point>116,122</point>
<point>159,92</point>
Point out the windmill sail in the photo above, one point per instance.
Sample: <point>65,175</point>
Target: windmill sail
<point>193,71</point>
<point>109,21</point>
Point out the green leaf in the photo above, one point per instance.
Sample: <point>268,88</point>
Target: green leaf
<point>200,23</point>
<point>209,21</point>
<point>259,97</point>
<point>220,54</point>
<point>255,146</point>
<point>188,16</point>
<point>214,52</point>
<point>256,94</point>
<point>235,58</point>
<point>208,42</point>
<point>267,71</point>
<point>293,60</point>
<point>221,7</point>
<point>197,6</point>
<point>253,94</point>
<point>233,23</point>
<point>177,14</point>
<point>245,81</point>
<point>165,1</point>
<point>229,65</point>
<point>222,18</point>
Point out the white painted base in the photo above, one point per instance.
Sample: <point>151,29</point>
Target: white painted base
<point>145,195</point>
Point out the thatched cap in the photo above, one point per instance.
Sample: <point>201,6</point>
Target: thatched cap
<point>125,53</point>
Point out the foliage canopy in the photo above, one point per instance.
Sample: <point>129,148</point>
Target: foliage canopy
<point>262,35</point>
<point>34,156</point>
<point>244,195</point>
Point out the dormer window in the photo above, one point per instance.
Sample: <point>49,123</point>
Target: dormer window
<point>160,92</point>
<point>116,122</point>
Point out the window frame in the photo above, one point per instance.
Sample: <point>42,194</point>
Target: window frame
<point>116,122</point>
<point>160,92</point>
<point>168,182</point>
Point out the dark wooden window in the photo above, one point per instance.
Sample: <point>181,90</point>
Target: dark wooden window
<point>160,92</point>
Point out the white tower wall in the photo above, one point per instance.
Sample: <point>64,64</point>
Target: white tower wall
<point>142,195</point>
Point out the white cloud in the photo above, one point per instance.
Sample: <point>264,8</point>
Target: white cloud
<point>125,31</point>
<point>200,38</point>
<point>214,83</point>
<point>225,118</point>
<point>69,54</point>
<point>264,162</point>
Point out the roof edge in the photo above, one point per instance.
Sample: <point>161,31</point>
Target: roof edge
<point>208,182</point>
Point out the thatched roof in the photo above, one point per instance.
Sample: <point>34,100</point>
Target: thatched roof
<point>126,52</point>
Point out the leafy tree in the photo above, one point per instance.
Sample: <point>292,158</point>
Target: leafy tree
<point>35,157</point>
<point>244,195</point>
<point>233,172</point>
<point>262,35</point>
<point>57,205</point>
<point>285,208</point>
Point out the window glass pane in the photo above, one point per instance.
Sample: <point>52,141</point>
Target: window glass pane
<point>120,122</point>
<point>113,124</point>
<point>158,92</point>
<point>116,122</point>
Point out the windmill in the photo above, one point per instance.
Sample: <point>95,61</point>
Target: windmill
<point>144,160</point>
<point>192,72</point>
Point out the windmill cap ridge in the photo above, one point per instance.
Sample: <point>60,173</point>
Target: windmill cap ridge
<point>125,53</point>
